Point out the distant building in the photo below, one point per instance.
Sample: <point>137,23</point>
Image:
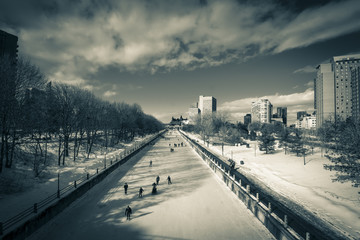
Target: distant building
<point>301,114</point>
<point>261,111</point>
<point>193,114</point>
<point>282,113</point>
<point>178,122</point>
<point>307,122</point>
<point>207,104</point>
<point>334,88</point>
<point>247,119</point>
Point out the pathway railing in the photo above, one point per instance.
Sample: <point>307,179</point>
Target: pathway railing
<point>37,207</point>
<point>283,222</point>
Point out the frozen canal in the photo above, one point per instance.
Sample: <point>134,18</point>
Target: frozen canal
<point>197,205</point>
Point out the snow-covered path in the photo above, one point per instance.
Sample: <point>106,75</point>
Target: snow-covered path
<point>197,205</point>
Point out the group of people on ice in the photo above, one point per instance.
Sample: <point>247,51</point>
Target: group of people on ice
<point>128,210</point>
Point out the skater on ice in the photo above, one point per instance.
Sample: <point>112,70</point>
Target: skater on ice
<point>150,163</point>
<point>154,190</point>
<point>126,187</point>
<point>128,212</point>
<point>157,180</point>
<point>169,180</point>
<point>141,190</point>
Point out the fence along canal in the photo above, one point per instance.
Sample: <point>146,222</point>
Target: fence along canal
<point>281,221</point>
<point>29,220</point>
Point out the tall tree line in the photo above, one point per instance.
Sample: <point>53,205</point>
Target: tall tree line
<point>34,112</point>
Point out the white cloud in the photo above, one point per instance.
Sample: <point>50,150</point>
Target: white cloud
<point>306,69</point>
<point>109,93</point>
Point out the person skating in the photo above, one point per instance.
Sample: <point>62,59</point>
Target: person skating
<point>154,190</point>
<point>157,180</point>
<point>141,190</point>
<point>128,212</point>
<point>150,163</point>
<point>126,187</point>
<point>169,180</point>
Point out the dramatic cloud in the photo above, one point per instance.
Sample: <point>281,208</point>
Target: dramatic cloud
<point>295,102</point>
<point>73,39</point>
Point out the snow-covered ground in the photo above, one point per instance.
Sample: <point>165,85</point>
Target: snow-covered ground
<point>38,189</point>
<point>309,185</point>
<point>197,205</point>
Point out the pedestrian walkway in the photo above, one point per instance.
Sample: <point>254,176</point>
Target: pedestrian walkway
<point>197,205</point>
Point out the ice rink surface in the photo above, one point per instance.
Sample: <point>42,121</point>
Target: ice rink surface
<point>197,205</point>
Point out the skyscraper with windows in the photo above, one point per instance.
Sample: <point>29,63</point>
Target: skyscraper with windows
<point>261,111</point>
<point>343,65</point>
<point>335,85</point>
<point>355,85</point>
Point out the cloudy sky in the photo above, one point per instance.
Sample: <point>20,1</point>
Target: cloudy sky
<point>163,54</point>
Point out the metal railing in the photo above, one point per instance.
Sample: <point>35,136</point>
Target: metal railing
<point>61,192</point>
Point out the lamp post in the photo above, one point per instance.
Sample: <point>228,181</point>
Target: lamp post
<point>58,185</point>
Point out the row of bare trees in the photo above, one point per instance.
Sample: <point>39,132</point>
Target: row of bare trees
<point>35,112</point>
<point>340,140</point>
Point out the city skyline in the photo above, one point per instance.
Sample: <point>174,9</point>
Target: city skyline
<point>164,55</point>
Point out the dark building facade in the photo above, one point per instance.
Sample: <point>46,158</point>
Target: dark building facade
<point>8,44</point>
<point>301,114</point>
<point>282,113</point>
<point>247,119</point>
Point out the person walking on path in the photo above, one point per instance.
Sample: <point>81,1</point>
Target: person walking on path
<point>169,180</point>
<point>141,190</point>
<point>126,187</point>
<point>157,180</point>
<point>150,163</point>
<point>128,212</point>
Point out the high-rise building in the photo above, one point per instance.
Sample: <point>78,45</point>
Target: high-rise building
<point>355,85</point>
<point>261,111</point>
<point>207,104</point>
<point>342,66</point>
<point>324,95</point>
<point>282,113</point>
<point>8,44</point>
<point>247,119</point>
<point>334,88</point>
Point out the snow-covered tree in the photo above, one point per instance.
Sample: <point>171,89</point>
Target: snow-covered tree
<point>345,156</point>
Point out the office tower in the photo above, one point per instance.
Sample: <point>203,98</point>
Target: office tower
<point>261,111</point>
<point>324,95</point>
<point>355,85</point>
<point>334,88</point>
<point>247,119</point>
<point>207,104</point>
<point>8,45</point>
<point>282,113</point>
<point>343,65</point>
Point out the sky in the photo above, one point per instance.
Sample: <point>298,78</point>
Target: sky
<point>163,54</point>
